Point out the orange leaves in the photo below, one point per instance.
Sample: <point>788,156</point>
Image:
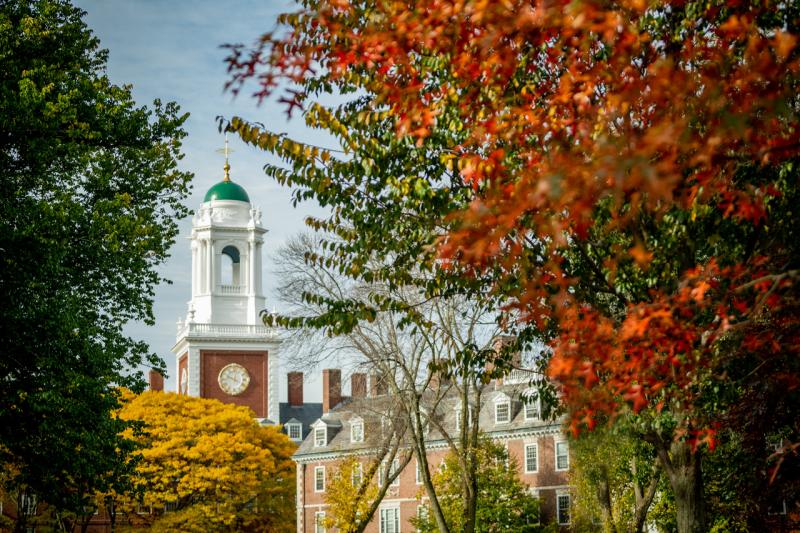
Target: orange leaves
<point>783,43</point>
<point>562,107</point>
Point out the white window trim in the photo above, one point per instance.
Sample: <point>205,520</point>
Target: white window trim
<point>356,423</point>
<point>535,446</point>
<point>386,469</point>
<point>144,509</point>
<point>422,513</point>
<point>294,425</point>
<point>360,468</point>
<point>390,508</point>
<point>529,404</point>
<point>781,511</point>
<point>319,516</point>
<point>425,420</point>
<point>324,430</point>
<point>316,487</point>
<point>555,451</point>
<point>395,468</point>
<point>418,474</point>
<point>496,418</point>
<point>559,495</point>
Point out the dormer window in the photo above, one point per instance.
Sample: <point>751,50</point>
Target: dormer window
<point>460,416</point>
<point>533,406</point>
<point>357,430</point>
<point>295,431</point>
<point>320,436</point>
<point>425,420</point>
<point>502,409</point>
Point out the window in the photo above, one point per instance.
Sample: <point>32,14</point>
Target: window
<point>460,417</point>
<point>390,520</point>
<point>389,470</point>
<point>779,509</point>
<point>422,514</point>
<point>143,509</point>
<point>358,474</point>
<point>319,522</point>
<point>533,408</point>
<point>295,431</point>
<point>418,474</point>
<point>425,421</point>
<point>502,412</point>
<point>562,456</point>
<point>531,458</point>
<point>395,469</point>
<point>28,504</point>
<point>319,479</point>
<point>320,437</point>
<point>562,505</point>
<point>230,271</point>
<point>357,431</point>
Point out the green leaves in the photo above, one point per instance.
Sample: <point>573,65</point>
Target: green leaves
<point>89,198</point>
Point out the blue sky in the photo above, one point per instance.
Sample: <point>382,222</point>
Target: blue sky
<point>171,50</point>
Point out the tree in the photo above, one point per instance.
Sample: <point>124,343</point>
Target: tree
<point>632,172</point>
<point>89,201</point>
<point>504,503</point>
<point>616,477</point>
<point>427,352</point>
<point>350,495</point>
<point>206,466</point>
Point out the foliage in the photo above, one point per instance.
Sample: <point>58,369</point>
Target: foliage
<point>89,201</point>
<point>206,466</point>
<point>504,502</point>
<point>407,360</point>
<point>633,169</point>
<point>615,474</point>
<point>349,495</point>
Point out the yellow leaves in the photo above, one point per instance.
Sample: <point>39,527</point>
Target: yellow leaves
<point>349,494</point>
<point>209,460</point>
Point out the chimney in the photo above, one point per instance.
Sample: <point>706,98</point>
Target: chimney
<point>331,388</point>
<point>377,387</point>
<point>358,385</point>
<point>499,344</point>
<point>295,388</point>
<point>156,380</point>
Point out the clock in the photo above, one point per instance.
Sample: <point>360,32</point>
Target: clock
<point>184,381</point>
<point>233,379</point>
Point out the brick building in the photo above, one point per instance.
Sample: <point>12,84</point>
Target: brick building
<point>355,426</point>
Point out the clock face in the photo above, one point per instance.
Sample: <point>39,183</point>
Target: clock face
<point>184,381</point>
<point>233,379</point>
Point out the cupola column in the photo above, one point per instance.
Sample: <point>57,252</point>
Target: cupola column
<point>251,282</point>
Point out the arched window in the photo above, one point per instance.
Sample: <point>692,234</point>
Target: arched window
<point>230,271</point>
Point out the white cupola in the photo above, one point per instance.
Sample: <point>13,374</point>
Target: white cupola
<point>227,237</point>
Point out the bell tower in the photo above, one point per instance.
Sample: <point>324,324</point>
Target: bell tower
<point>223,350</point>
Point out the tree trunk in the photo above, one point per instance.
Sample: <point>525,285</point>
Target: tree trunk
<point>604,498</point>
<point>683,467</point>
<point>643,499</point>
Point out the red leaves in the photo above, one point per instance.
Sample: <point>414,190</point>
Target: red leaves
<point>566,105</point>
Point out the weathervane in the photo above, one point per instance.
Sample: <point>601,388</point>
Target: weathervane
<point>227,166</point>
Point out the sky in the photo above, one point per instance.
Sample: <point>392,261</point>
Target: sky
<point>171,51</point>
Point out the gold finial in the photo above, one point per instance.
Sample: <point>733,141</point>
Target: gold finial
<point>227,167</point>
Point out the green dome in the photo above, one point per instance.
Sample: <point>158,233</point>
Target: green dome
<point>227,190</point>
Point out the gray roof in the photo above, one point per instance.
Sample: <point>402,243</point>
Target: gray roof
<point>378,419</point>
<point>306,414</point>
